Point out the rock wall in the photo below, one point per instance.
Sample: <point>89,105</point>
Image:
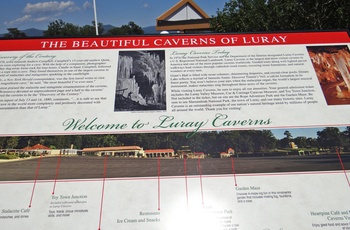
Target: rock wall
<point>150,67</point>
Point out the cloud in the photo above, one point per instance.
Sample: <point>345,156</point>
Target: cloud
<point>28,18</point>
<point>87,5</point>
<point>25,18</point>
<point>50,7</point>
<point>42,19</point>
<point>44,11</point>
<point>145,5</point>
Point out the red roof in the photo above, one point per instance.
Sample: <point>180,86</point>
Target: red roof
<point>37,147</point>
<point>159,151</point>
<point>118,148</point>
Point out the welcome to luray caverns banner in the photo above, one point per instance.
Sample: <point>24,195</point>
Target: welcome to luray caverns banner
<point>174,83</point>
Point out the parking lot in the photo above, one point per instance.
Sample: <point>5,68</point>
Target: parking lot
<point>84,167</point>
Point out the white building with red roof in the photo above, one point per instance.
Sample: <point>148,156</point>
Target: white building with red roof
<point>230,152</point>
<point>118,151</point>
<point>37,149</point>
<point>167,153</point>
<point>199,155</point>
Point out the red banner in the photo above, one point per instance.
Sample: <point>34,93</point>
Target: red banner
<point>168,41</point>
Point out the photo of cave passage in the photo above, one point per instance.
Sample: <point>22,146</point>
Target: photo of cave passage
<point>332,67</point>
<point>141,83</point>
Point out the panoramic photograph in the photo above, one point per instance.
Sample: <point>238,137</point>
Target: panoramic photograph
<point>174,154</point>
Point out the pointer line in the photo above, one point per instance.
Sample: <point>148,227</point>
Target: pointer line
<point>342,166</point>
<point>56,176</point>
<point>36,177</point>
<point>233,170</point>
<point>103,190</point>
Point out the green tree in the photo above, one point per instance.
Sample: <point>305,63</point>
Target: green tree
<point>285,142</point>
<point>315,14</point>
<point>89,141</point>
<point>264,140</point>
<point>210,145</point>
<point>346,135</point>
<point>90,30</point>
<point>225,140</point>
<point>288,135</point>
<point>242,15</point>
<point>12,142</point>
<point>61,28</point>
<point>14,33</point>
<point>301,142</point>
<point>245,142</point>
<point>115,31</point>
<point>2,142</point>
<point>130,29</point>
<point>76,141</point>
<point>109,140</point>
<point>272,15</point>
<point>330,138</point>
<point>304,142</point>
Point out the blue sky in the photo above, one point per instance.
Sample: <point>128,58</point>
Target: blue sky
<point>25,14</point>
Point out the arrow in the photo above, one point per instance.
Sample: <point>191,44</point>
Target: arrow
<point>200,177</point>
<point>158,182</point>
<point>342,166</point>
<point>103,190</point>
<point>233,170</point>
<point>36,177</point>
<point>56,176</point>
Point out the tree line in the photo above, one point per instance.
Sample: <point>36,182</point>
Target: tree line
<point>59,28</point>
<point>213,142</point>
<point>236,16</point>
<point>287,15</point>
